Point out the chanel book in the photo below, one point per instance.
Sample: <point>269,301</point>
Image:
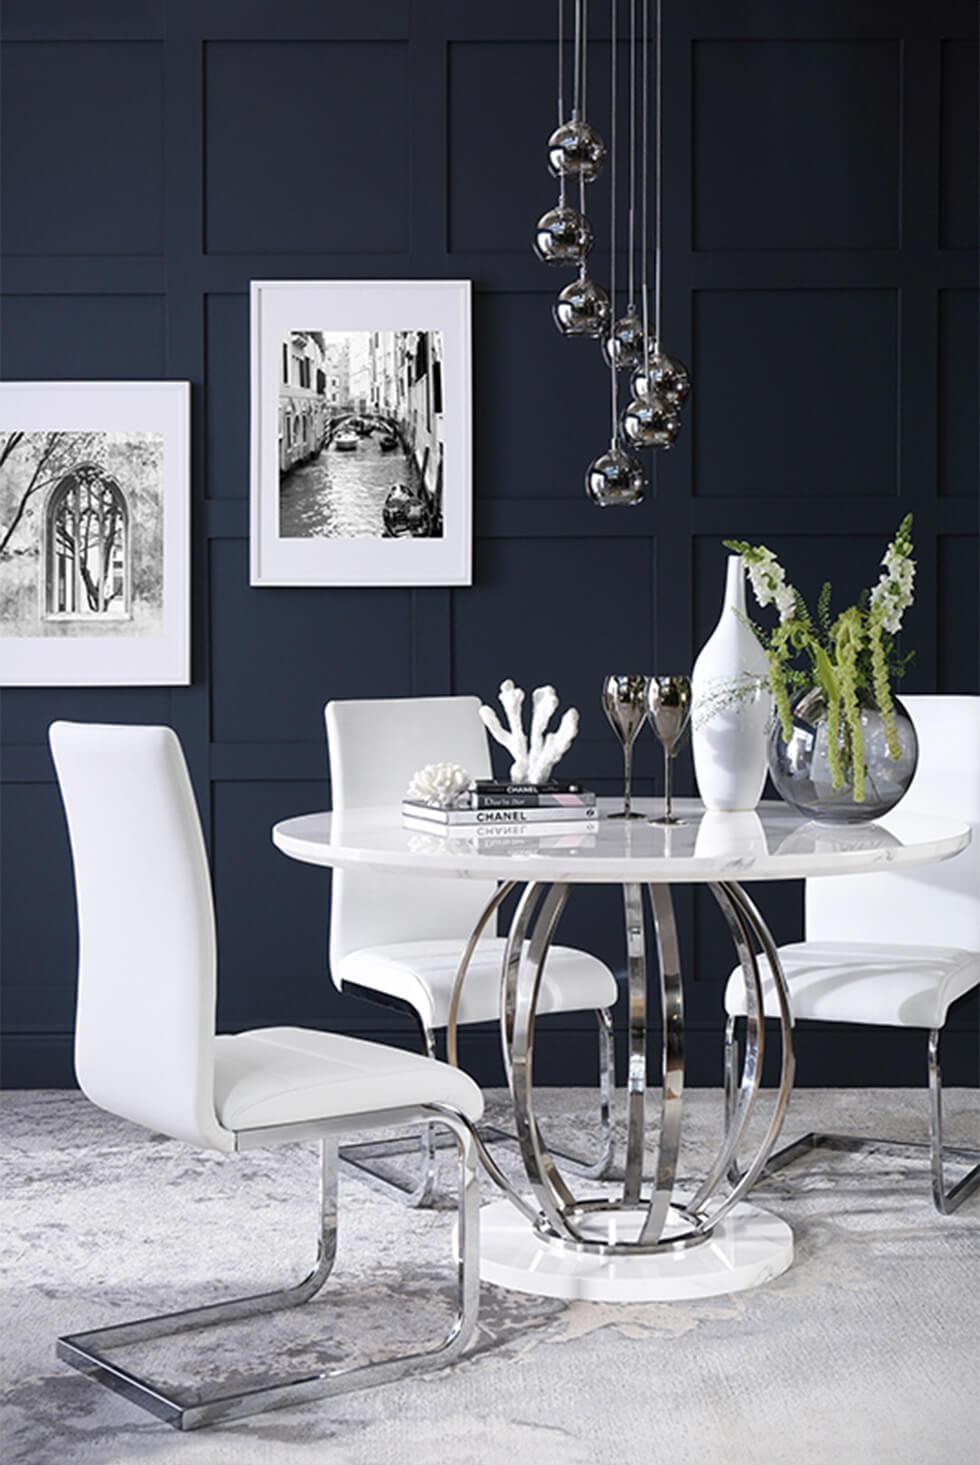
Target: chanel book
<point>552,813</point>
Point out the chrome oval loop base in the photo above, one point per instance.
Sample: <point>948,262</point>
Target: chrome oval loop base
<point>703,1245</point>
<point>611,1214</point>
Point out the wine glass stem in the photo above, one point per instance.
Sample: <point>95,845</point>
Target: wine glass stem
<point>627,780</point>
<point>668,782</point>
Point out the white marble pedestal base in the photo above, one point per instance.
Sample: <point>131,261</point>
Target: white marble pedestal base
<point>749,1247</point>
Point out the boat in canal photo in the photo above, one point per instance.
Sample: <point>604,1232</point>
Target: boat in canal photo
<point>361,435</point>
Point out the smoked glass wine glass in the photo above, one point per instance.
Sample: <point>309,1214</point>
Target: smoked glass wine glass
<point>624,699</point>
<point>669,707</point>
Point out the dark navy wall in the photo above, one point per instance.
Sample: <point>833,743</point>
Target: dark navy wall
<point>821,279</point>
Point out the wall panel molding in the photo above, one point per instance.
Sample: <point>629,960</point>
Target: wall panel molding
<point>820,184</point>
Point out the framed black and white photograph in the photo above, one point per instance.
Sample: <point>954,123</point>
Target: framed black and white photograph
<point>361,471</point>
<point>94,534</point>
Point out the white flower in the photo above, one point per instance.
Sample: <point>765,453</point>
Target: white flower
<point>893,594</point>
<point>768,579</point>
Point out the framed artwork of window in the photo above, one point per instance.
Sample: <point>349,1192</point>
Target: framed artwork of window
<point>94,534</point>
<point>361,459</point>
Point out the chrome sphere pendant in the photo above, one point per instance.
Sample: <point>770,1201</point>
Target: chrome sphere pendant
<point>562,236</point>
<point>667,377</point>
<point>651,422</point>
<point>575,150</point>
<point>582,309</point>
<point>623,347</point>
<point>615,478</point>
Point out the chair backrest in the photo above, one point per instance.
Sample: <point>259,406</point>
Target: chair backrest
<point>144,1037</point>
<point>932,905</point>
<point>375,747</point>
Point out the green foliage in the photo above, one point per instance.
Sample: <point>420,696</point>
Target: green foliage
<point>847,638</point>
<point>823,607</point>
<point>878,652</point>
<point>844,655</point>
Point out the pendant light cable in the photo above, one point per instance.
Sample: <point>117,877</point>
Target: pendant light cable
<point>585,60</point>
<point>644,208</point>
<point>613,369</point>
<point>561,91</point>
<point>561,62</point>
<point>577,64</point>
<point>632,202</point>
<point>584,94</point>
<point>658,190</point>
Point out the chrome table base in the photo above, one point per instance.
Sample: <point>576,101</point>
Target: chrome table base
<point>90,1352</point>
<point>648,1222</point>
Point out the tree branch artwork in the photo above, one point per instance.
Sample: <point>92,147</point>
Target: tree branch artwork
<point>533,760</point>
<point>51,455</point>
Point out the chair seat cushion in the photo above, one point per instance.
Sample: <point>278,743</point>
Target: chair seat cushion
<point>865,982</point>
<point>422,973</point>
<point>294,1075</point>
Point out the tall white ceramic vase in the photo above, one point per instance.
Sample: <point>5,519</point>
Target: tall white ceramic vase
<point>731,706</point>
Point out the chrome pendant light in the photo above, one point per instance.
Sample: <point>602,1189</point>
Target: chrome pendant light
<point>665,375</point>
<point>616,477</point>
<point>648,421</point>
<point>624,345</point>
<point>563,235</point>
<point>575,150</point>
<point>660,375</point>
<point>631,342</point>
<point>582,308</point>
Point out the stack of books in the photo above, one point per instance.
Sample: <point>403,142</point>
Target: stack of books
<point>514,808</point>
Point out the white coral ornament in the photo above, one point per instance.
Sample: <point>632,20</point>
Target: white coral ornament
<point>534,761</point>
<point>439,784</point>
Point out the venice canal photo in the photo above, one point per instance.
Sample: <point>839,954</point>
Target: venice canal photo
<point>361,435</point>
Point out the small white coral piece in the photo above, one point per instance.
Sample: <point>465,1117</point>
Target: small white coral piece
<point>532,763</point>
<point>439,784</point>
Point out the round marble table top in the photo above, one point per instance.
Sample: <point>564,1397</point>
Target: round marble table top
<point>772,843</point>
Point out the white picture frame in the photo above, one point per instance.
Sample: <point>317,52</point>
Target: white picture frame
<point>285,311</point>
<point>113,609</point>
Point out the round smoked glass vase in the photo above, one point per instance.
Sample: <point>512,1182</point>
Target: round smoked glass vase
<point>801,771</point>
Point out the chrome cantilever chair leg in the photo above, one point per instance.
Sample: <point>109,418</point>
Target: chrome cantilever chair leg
<point>945,1201</point>
<point>195,1407</point>
<point>363,1158</point>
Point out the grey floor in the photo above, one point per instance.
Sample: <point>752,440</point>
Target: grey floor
<point>865,1351</point>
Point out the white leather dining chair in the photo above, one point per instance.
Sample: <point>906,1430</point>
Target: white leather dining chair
<point>145,1049</point>
<point>894,950</point>
<point>398,940</point>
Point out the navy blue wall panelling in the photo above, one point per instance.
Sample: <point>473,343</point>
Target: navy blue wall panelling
<point>821,279</point>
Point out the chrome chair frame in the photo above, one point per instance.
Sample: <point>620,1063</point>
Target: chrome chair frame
<point>946,1200</point>
<point>191,1409</point>
<point>361,1158</point>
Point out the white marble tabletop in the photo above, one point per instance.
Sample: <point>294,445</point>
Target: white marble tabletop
<point>773,843</point>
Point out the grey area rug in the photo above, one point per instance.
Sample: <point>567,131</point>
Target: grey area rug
<point>865,1351</point>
